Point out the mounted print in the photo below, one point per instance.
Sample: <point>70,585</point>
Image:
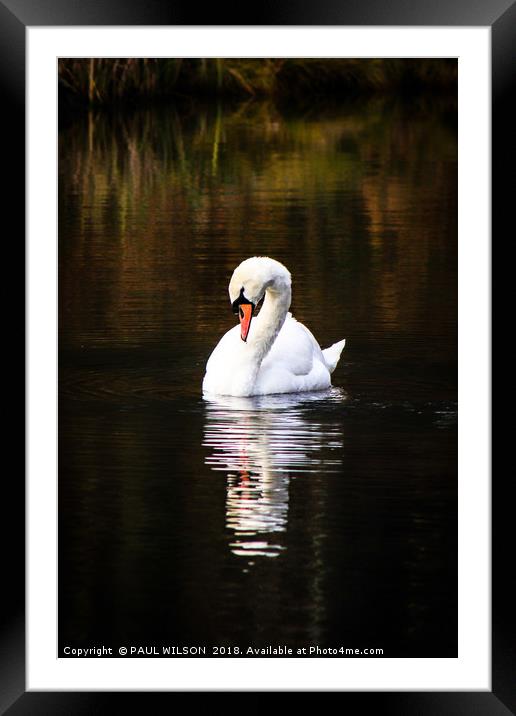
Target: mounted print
<point>258,370</point>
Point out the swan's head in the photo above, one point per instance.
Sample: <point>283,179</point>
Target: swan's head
<point>248,284</point>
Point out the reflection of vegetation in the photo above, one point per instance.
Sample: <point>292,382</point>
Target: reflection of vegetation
<point>106,80</point>
<point>156,209</point>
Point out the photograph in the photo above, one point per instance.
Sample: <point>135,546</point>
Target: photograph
<point>257,357</point>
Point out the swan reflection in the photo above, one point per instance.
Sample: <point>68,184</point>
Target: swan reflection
<point>262,443</point>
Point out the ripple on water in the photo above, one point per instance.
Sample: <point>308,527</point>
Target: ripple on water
<point>261,443</point>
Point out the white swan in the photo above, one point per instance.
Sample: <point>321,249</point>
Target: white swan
<point>274,355</point>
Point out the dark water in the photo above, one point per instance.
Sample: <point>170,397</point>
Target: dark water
<point>326,519</point>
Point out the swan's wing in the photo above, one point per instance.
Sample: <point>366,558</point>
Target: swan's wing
<point>295,349</point>
<point>224,348</point>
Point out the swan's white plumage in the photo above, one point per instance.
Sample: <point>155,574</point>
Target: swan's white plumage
<point>281,355</point>
<point>332,354</point>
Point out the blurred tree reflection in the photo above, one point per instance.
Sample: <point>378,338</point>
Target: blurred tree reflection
<point>148,197</point>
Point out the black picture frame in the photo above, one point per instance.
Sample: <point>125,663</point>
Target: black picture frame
<point>15,17</point>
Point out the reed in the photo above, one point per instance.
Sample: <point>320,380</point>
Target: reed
<point>105,81</point>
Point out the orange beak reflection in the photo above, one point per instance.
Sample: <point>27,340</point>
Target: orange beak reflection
<point>245,313</point>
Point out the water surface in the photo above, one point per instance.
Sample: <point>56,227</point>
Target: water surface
<point>327,518</point>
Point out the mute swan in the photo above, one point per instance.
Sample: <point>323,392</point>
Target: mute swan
<point>275,354</point>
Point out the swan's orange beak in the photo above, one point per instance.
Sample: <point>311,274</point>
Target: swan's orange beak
<point>245,313</point>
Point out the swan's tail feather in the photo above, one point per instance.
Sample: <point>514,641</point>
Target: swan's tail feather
<point>332,354</point>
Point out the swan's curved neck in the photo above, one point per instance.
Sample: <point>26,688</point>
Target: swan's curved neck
<point>269,321</point>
